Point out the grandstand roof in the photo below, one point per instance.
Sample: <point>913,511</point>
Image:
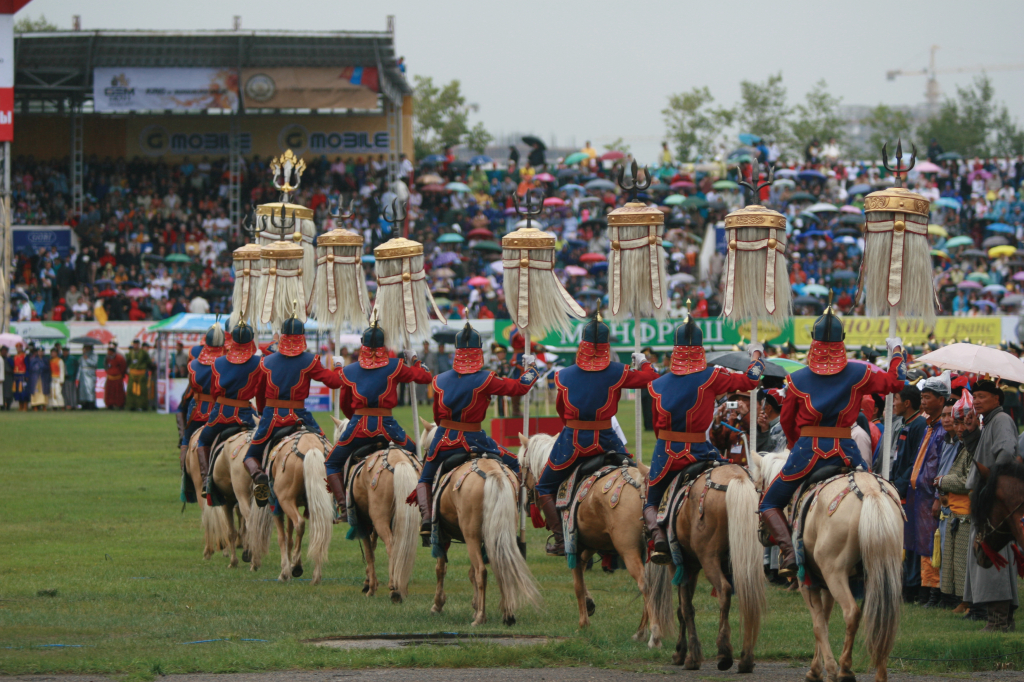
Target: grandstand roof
<point>59,65</point>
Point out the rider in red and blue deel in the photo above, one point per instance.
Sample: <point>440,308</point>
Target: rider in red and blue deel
<point>369,391</point>
<point>281,397</point>
<point>200,385</point>
<point>587,399</point>
<point>821,405</point>
<point>235,377</point>
<point>461,398</point>
<point>683,408</point>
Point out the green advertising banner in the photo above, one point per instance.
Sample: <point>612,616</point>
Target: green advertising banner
<point>718,332</point>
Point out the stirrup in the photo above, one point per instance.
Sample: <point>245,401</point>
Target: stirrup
<point>261,493</point>
<point>661,558</point>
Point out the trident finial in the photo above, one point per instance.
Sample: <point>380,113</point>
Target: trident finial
<point>530,211</point>
<point>755,185</point>
<point>287,166</point>
<point>899,160</point>
<point>339,215</point>
<point>249,223</point>
<point>285,223</point>
<point>397,212</point>
<point>633,185</point>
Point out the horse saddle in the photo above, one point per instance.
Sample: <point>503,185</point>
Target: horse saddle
<point>583,470</point>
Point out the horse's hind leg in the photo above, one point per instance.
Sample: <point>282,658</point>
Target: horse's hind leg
<point>233,535</point>
<point>370,584</point>
<point>635,566</point>
<point>839,591</point>
<point>439,596</point>
<point>713,570</point>
<point>478,576</point>
<point>816,603</point>
<point>689,656</point>
<point>283,543</point>
<point>583,600</point>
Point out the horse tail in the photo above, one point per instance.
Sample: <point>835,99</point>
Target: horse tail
<point>319,504</point>
<point>405,526</point>
<point>215,527</point>
<point>258,527</point>
<point>658,586</point>
<point>881,551</point>
<point>745,551</point>
<point>515,581</point>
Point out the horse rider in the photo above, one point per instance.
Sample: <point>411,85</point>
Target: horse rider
<point>200,382</point>
<point>281,393</point>
<point>369,391</point>
<point>461,398</point>
<point>683,405</point>
<point>235,378</point>
<point>820,407</point>
<point>587,399</point>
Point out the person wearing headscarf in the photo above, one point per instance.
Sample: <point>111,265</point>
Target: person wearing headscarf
<point>956,504</point>
<point>995,588</point>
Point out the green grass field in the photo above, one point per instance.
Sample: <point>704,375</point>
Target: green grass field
<point>96,555</point>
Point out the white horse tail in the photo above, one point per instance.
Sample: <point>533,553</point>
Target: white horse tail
<point>405,527</point>
<point>258,527</point>
<point>745,551</point>
<point>215,527</point>
<point>881,550</point>
<point>658,586</point>
<point>320,505</point>
<point>515,581</point>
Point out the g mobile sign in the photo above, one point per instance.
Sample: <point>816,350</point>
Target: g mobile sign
<point>7,74</point>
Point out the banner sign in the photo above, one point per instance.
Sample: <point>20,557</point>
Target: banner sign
<point>6,77</point>
<point>353,87</point>
<point>155,89</point>
<point>871,331</point>
<point>28,239</point>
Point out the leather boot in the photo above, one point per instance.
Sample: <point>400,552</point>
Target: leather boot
<point>661,553</point>
<point>184,455</point>
<point>261,489</point>
<point>923,594</point>
<point>934,598</point>
<point>998,616</point>
<point>962,607</point>
<point>204,465</point>
<point>426,511</point>
<point>553,521</point>
<point>775,522</point>
<point>337,488</point>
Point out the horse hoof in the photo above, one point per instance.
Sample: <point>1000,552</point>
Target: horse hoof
<point>677,658</point>
<point>691,665</point>
<point>509,620</point>
<point>297,572</point>
<point>396,598</point>
<point>725,663</point>
<point>246,556</point>
<point>745,667</point>
<point>591,606</point>
<point>848,678</point>
<point>811,677</point>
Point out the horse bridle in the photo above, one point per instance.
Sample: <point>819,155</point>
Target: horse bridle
<point>997,529</point>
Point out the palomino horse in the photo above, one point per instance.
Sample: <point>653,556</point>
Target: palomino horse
<point>299,475</point>
<point>841,531</point>
<point>482,512</point>
<point>379,491</point>
<point>213,520</point>
<point>716,530</point>
<point>606,525</point>
<point>257,523</point>
<point>233,496</point>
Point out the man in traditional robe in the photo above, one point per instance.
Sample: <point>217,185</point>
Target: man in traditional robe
<point>113,389</point>
<point>38,379</point>
<point>87,377</point>
<point>70,388</point>
<point>138,380</point>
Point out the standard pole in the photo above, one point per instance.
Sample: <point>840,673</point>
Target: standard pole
<point>752,445</point>
<point>415,416</point>
<point>638,409</point>
<point>7,245</point>
<point>887,439</point>
<point>526,433</point>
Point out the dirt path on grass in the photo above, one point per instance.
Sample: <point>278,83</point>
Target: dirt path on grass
<point>766,672</point>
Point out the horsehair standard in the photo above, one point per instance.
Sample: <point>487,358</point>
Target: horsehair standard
<point>339,294</point>
<point>289,223</point>
<point>281,284</point>
<point>544,306</point>
<point>402,294</point>
<point>636,271</point>
<point>246,294</point>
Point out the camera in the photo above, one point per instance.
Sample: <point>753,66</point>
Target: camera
<point>732,404</point>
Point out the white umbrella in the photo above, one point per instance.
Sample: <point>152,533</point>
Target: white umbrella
<point>683,277</point>
<point>822,208</point>
<point>967,357</point>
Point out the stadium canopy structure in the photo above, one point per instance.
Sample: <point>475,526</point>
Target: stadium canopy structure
<point>55,72</point>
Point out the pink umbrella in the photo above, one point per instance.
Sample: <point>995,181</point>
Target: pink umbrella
<point>575,271</point>
<point>850,209</point>
<point>870,365</point>
<point>1019,276</point>
<point>612,155</point>
<point>682,184</point>
<point>928,167</point>
<point>544,177</point>
<point>478,281</point>
<point>137,293</point>
<point>968,284</point>
<point>9,340</point>
<point>553,201</point>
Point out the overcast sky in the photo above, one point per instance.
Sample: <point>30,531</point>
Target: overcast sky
<point>599,70</point>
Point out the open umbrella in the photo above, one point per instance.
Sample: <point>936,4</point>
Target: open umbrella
<point>493,247</point>
<point>590,293</point>
<point>694,203</point>
<point>959,241</point>
<point>949,156</point>
<point>107,293</point>
<point>994,241</point>
<point>1000,251</point>
<point>480,159</point>
<point>457,187</point>
<point>974,359</point>
<point>1012,299</point>
<point>447,335</point>
<point>178,258</point>
<point>446,258</point>
<point>430,179</point>
<point>927,167</point>
<point>994,289</point>
<point>948,202</point>
<point>433,159</point>
<point>480,233</point>
<point>576,157</point>
<point>980,277</point>
<point>594,223</point>
<point>575,271</point>
<point>675,200</point>
<point>847,232</point>
<point>740,361</point>
<point>572,188</point>
<point>815,290</point>
<point>600,183</point>
<point>852,219</point>
<point>592,257</point>
<point>10,340</point>
<point>682,184</point>
<point>844,275</point>
<point>450,238</point>
<point>937,230</point>
<point>822,208</point>
<point>859,189</point>
<point>554,201</point>
<point>478,281</point>
<point>564,173</point>
<point>137,293</point>
<point>438,188</point>
<point>725,184</point>
<point>749,139</point>
<point>938,253</point>
<point>810,174</point>
<point>681,277</point>
<point>533,140</point>
<point>851,209</point>
<point>789,365</point>
<point>612,155</point>
<point>808,301</point>
<point>803,196</point>
<point>369,258</point>
<point>784,182</point>
<point>1002,228</point>
<point>443,272</point>
<point>968,284</point>
<point>497,267</point>
<point>786,173</point>
<point>975,253</point>
<point>1018,276</point>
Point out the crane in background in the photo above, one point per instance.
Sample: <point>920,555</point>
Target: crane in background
<point>932,91</point>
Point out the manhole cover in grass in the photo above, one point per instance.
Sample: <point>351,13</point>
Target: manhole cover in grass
<point>396,641</point>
